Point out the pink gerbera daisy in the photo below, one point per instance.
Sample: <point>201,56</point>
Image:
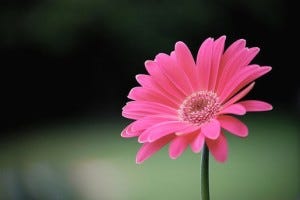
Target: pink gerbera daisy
<point>187,103</point>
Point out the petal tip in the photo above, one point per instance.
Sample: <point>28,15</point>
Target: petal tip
<point>223,160</point>
<point>138,76</point>
<point>142,140</point>
<point>268,68</point>
<point>138,161</point>
<point>149,64</point>
<point>242,41</point>
<point>245,134</point>
<point>179,43</point>
<point>223,37</point>
<point>255,49</point>
<point>174,154</point>
<point>130,95</point>
<point>269,107</point>
<point>122,134</point>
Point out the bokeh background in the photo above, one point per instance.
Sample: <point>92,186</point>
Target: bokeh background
<point>67,67</point>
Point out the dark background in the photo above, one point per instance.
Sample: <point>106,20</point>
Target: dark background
<point>62,59</point>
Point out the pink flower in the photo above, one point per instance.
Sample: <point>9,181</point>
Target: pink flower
<point>188,104</point>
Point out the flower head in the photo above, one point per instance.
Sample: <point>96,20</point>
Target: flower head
<point>186,103</point>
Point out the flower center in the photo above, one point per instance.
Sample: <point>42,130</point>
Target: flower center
<point>199,107</point>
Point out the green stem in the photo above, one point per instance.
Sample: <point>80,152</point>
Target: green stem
<point>204,187</point>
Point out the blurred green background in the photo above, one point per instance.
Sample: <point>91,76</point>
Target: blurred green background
<point>87,159</point>
<point>66,69</point>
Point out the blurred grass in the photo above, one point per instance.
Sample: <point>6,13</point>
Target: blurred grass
<point>87,159</point>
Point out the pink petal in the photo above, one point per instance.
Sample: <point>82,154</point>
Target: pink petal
<point>148,149</point>
<point>188,130</point>
<point>241,79</point>
<point>160,79</point>
<point>211,129</point>
<point>231,51</point>
<point>218,49</point>
<point>233,125</point>
<point>244,59</point>
<point>145,94</point>
<point>144,108</point>
<point>131,115</point>
<point>237,62</point>
<point>162,129</point>
<point>235,109</point>
<point>197,143</point>
<point>238,74</point>
<point>148,121</point>
<point>177,146</point>
<point>128,132</point>
<point>144,80</point>
<point>254,105</point>
<point>186,61</point>
<point>218,148</point>
<point>174,73</point>
<point>260,72</point>
<point>240,95</point>
<point>204,58</point>
<point>140,94</point>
